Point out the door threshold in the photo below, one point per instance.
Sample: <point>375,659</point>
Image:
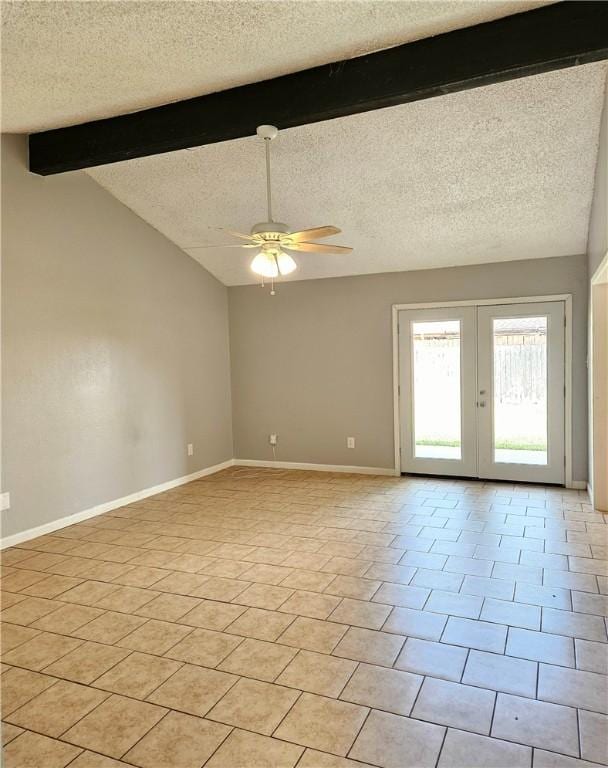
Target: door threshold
<point>482,479</point>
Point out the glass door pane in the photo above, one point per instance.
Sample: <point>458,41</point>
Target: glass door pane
<point>437,401</point>
<point>520,397</point>
<point>437,349</point>
<point>520,390</point>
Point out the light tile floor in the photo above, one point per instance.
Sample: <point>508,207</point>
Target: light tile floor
<point>282,618</point>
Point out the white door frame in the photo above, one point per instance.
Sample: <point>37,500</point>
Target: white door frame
<point>598,439</point>
<point>565,297</point>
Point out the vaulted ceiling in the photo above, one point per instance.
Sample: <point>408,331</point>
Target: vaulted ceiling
<point>492,174</point>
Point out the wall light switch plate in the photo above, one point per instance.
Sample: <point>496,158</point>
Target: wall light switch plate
<point>5,501</point>
<point>350,442</point>
<point>190,449</point>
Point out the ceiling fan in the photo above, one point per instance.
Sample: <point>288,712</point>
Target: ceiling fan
<point>275,239</point>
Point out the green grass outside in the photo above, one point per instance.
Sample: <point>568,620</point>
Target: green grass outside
<point>512,446</point>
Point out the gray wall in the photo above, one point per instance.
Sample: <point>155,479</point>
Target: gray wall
<point>598,224</point>
<point>115,349</point>
<point>314,362</point>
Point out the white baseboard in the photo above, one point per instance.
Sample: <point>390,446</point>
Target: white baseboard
<point>316,467</point>
<point>577,485</point>
<point>108,506</point>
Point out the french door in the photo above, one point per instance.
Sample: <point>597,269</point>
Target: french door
<point>482,391</point>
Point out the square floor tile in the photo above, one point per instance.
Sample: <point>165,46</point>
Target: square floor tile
<point>179,741</point>
<point>32,749</point>
<point>266,574</point>
<point>40,651</point>
<point>89,592</point>
<point>14,635</point>
<point>594,741</point>
<point>361,613</point>
<point>370,646</point>
<point>254,706</point>
<point>126,599</point>
<point>392,741</point>
<point>109,628</point>
<point>264,596</point>
<point>481,635</point>
<point>260,624</point>
<point>115,725</point>
<point>57,708</point>
<point>20,686</point>
<point>204,647</point>
<point>402,595</point>
<point>449,582</point>
<point>168,607</point>
<point>574,624</point>
<point>552,597</point>
<point>380,688</point>
<point>138,675</point>
<point>353,587</point>
<point>67,618</point>
<point>591,656</point>
<point>573,687</point>
<point>155,637</point>
<point>258,659</point>
<point>536,723</point>
<point>426,657</point>
<point>317,673</point>
<point>179,583</point>
<point>212,615</point>
<point>29,610</point>
<point>250,749</point>
<point>52,586</point>
<point>313,635</point>
<point>469,749</point>
<point>412,623</point>
<point>513,614</point>
<point>456,705</point>
<point>311,604</point>
<point>87,662</point>
<point>219,588</point>
<point>310,581</point>
<point>140,576</point>
<point>501,673</point>
<point>322,723</point>
<point>193,690</point>
<point>466,606</point>
<point>540,646</point>
<point>9,732</point>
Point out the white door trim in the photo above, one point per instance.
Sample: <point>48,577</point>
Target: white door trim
<point>565,297</point>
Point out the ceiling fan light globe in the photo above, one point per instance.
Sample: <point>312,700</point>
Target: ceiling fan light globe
<point>286,263</point>
<point>265,265</point>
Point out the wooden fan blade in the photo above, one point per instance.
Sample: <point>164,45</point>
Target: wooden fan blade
<point>236,234</point>
<point>317,248</point>
<point>312,234</point>
<point>222,245</point>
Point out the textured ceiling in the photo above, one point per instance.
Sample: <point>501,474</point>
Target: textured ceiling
<point>67,62</point>
<point>491,174</point>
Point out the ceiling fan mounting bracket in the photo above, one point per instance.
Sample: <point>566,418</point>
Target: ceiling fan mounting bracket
<point>267,131</point>
<point>271,230</point>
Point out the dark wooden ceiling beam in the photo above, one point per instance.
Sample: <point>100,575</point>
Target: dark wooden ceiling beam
<point>552,37</point>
